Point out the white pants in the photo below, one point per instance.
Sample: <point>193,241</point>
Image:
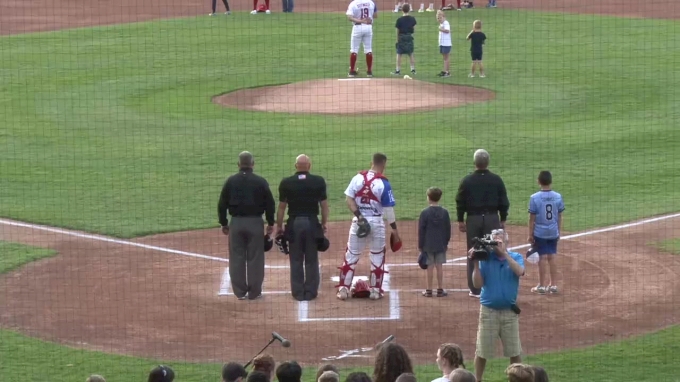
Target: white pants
<point>362,34</point>
<point>356,245</point>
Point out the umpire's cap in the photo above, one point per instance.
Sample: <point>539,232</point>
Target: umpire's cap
<point>322,244</point>
<point>268,243</point>
<point>161,373</point>
<point>282,243</point>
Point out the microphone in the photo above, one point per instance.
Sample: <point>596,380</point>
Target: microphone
<point>284,342</point>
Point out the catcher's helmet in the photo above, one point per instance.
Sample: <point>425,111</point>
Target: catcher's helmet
<point>322,244</point>
<point>268,243</point>
<point>422,260</point>
<point>361,289</point>
<point>282,243</point>
<point>395,244</point>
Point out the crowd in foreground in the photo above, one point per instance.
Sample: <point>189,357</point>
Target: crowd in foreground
<point>392,364</point>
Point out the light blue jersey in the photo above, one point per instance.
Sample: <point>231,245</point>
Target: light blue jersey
<point>546,204</point>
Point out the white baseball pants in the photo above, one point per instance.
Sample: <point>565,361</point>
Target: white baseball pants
<point>362,34</point>
<point>356,245</point>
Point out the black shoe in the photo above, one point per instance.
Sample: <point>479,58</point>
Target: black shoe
<point>396,73</point>
<point>441,74</point>
<point>413,71</point>
<point>352,74</point>
<point>369,74</point>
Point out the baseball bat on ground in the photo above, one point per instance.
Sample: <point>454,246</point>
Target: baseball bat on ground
<point>275,337</point>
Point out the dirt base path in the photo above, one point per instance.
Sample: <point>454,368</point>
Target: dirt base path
<point>164,300</point>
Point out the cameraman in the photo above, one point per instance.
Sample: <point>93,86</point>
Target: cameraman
<point>498,277</point>
<point>483,197</point>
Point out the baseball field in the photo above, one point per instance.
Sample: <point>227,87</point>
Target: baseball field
<point>120,122</point>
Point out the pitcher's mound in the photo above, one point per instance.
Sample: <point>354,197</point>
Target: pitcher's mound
<point>353,96</point>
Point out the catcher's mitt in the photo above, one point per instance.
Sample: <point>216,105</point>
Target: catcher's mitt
<point>360,289</point>
<point>364,228</point>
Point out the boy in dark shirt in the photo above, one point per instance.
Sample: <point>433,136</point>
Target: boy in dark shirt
<point>477,38</point>
<point>405,27</point>
<point>434,234</point>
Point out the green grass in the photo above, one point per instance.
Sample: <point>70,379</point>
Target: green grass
<point>648,358</point>
<point>111,129</point>
<point>671,245</point>
<point>12,255</point>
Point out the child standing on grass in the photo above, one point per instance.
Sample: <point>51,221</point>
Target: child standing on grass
<point>444,43</point>
<point>476,38</point>
<point>545,226</point>
<point>406,26</point>
<point>434,234</point>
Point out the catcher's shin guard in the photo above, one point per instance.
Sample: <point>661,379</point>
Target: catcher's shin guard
<point>377,269</point>
<point>347,270</point>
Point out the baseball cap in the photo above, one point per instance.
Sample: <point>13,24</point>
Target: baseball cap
<point>233,371</point>
<point>161,373</point>
<point>532,255</point>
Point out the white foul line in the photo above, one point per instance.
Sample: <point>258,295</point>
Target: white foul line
<point>109,240</point>
<point>225,283</point>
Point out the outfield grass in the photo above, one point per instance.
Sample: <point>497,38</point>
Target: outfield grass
<point>671,245</point>
<point>111,129</point>
<point>649,358</point>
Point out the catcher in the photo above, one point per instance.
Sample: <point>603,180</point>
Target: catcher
<point>369,197</point>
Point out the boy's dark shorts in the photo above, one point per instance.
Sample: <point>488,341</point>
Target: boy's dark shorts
<point>476,56</point>
<point>434,258</point>
<point>545,246</point>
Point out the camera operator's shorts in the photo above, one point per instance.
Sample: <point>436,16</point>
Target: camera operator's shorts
<point>436,258</point>
<point>494,323</point>
<point>545,246</point>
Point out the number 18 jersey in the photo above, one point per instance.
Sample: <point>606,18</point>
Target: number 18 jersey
<point>361,9</point>
<point>546,205</point>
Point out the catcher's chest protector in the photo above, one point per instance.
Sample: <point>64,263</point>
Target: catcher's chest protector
<point>365,193</point>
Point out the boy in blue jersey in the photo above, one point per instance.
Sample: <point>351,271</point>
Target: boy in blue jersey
<point>545,226</point>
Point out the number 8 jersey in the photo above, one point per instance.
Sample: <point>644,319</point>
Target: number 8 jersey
<point>371,192</point>
<point>361,9</point>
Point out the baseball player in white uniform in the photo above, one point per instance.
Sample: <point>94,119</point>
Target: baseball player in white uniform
<point>361,13</point>
<point>369,197</point>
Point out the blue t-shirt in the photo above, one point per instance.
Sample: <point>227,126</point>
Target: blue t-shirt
<point>387,198</point>
<point>501,284</point>
<point>546,204</point>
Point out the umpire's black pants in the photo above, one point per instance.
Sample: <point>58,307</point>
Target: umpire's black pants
<point>478,226</point>
<point>304,258</point>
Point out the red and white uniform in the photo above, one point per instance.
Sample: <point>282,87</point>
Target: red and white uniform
<point>372,193</point>
<point>362,33</point>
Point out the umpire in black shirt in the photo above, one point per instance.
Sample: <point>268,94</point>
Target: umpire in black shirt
<point>302,193</point>
<point>482,196</point>
<point>246,196</point>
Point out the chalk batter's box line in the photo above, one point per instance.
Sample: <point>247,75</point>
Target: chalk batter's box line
<point>225,283</point>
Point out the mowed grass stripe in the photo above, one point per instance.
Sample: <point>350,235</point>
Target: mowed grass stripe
<point>111,129</point>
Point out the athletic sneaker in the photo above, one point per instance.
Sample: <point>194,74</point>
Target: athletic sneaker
<point>227,13</point>
<point>482,76</point>
<point>352,74</point>
<point>369,74</point>
<point>343,293</point>
<point>471,75</point>
<point>396,73</point>
<point>473,295</point>
<point>421,11</point>
<point>430,10</point>
<point>552,289</point>
<point>375,294</point>
<point>459,9</point>
<point>253,12</point>
<point>442,293</point>
<point>210,14</point>
<point>413,71</point>
<point>538,289</point>
<point>268,12</point>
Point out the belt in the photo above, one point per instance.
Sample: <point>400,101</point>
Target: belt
<point>246,216</point>
<point>482,212</point>
<point>358,23</point>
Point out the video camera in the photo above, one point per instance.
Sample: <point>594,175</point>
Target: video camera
<point>482,247</point>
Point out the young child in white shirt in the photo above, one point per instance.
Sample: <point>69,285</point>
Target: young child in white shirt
<point>444,43</point>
